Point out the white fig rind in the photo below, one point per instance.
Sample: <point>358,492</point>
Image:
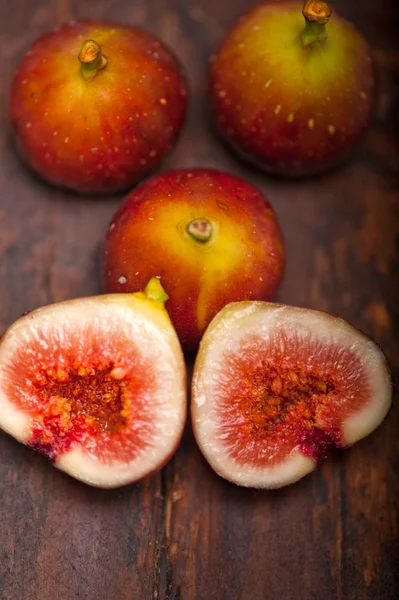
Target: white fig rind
<point>233,324</point>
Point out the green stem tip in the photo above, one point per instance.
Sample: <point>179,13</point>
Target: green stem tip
<point>91,59</point>
<point>155,291</point>
<point>200,230</point>
<point>317,14</point>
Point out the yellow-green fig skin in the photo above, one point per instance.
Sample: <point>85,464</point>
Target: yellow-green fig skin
<point>291,101</point>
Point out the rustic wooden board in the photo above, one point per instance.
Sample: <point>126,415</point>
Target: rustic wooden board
<point>184,533</point>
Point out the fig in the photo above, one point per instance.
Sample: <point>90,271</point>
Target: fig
<point>95,106</point>
<point>97,385</point>
<point>211,237</point>
<point>292,96</point>
<point>275,387</point>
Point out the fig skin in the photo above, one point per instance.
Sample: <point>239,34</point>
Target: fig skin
<point>159,346</point>
<point>244,258</point>
<point>105,133</point>
<point>292,110</point>
<point>355,418</point>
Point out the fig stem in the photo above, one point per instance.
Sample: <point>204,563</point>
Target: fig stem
<point>200,230</point>
<point>155,291</point>
<point>91,59</point>
<point>317,14</point>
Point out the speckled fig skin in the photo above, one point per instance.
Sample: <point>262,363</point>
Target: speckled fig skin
<point>103,134</point>
<point>291,109</point>
<point>244,258</point>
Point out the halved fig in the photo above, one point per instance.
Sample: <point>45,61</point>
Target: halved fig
<point>96,384</point>
<point>275,387</point>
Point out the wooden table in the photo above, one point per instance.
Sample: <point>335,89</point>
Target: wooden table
<point>184,533</point>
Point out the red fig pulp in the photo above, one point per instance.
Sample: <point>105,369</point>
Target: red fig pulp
<point>97,385</point>
<point>275,387</point>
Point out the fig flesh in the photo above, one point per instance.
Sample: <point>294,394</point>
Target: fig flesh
<point>276,386</point>
<point>97,385</point>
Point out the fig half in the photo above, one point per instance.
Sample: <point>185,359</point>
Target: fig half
<point>275,387</point>
<point>96,384</point>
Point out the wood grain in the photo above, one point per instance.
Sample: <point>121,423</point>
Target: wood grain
<point>184,534</point>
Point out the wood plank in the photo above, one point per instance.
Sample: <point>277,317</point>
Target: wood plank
<point>185,534</point>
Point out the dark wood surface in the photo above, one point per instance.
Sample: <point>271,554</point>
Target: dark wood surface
<point>184,533</point>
